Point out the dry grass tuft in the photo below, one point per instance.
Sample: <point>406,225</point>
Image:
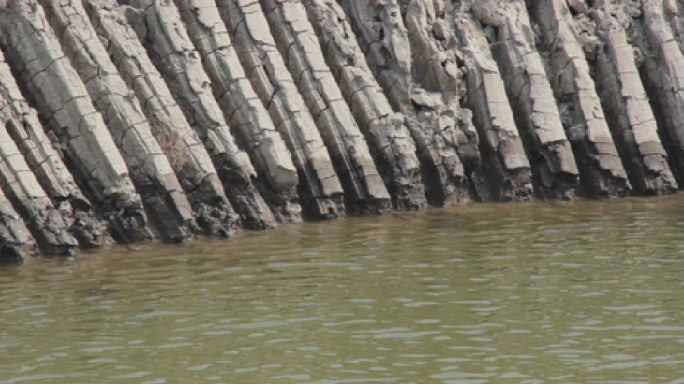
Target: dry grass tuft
<point>171,143</point>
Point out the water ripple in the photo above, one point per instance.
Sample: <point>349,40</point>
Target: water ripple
<point>577,292</point>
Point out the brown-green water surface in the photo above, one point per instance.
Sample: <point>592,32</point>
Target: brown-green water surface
<point>580,292</point>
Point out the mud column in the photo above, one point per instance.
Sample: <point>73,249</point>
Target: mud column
<point>35,53</point>
<point>437,66</point>
<point>44,162</point>
<point>48,224</point>
<point>164,36</point>
<point>276,175</point>
<point>149,168</point>
<point>386,133</point>
<point>437,131</point>
<point>627,108</point>
<point>601,170</point>
<point>663,74</point>
<point>183,148</point>
<point>319,186</point>
<point>16,242</point>
<point>505,173</point>
<point>507,27</point>
<point>294,38</point>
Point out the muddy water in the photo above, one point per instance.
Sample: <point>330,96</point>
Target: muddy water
<point>581,292</point>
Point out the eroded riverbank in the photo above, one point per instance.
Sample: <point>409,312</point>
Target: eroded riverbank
<point>131,120</point>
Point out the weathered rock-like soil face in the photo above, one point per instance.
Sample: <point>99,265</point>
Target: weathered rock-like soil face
<point>142,119</point>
